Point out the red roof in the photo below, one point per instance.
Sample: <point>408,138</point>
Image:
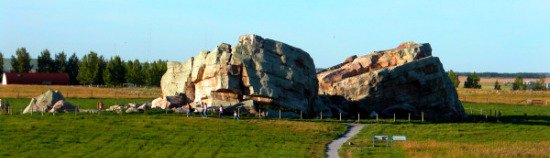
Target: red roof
<point>37,78</point>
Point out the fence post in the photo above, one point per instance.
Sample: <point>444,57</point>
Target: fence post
<point>376,117</point>
<point>321,115</point>
<point>279,114</point>
<point>358,117</point>
<point>393,117</point>
<point>340,116</point>
<point>423,117</point>
<point>409,117</point>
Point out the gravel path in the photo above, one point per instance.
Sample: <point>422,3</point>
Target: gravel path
<point>335,145</point>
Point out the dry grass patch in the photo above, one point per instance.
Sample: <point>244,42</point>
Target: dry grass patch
<point>28,91</point>
<point>490,149</point>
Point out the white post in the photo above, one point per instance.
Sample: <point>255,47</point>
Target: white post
<point>340,116</point>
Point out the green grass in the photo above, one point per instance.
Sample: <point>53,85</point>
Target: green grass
<point>160,135</point>
<point>20,103</point>
<point>515,135</point>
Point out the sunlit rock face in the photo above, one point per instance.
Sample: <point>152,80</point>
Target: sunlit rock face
<point>407,79</point>
<point>270,74</point>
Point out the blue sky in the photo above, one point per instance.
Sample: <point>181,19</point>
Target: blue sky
<point>497,36</point>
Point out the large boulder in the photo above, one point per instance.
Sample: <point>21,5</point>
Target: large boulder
<point>269,72</point>
<point>50,101</point>
<point>407,79</point>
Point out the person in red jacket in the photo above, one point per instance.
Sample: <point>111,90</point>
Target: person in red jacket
<point>100,105</point>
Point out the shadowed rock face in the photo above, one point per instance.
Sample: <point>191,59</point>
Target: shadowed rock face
<point>403,80</point>
<point>263,70</point>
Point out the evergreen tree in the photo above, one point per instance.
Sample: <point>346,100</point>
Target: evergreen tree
<point>1,62</point>
<point>518,84</point>
<point>497,85</point>
<point>72,69</point>
<point>472,81</point>
<point>540,85</point>
<point>114,74</point>
<point>45,62</point>
<point>145,67</point>
<point>89,69</point>
<point>134,72</point>
<point>156,70</point>
<point>21,63</point>
<point>60,63</point>
<point>102,65</point>
<point>454,78</point>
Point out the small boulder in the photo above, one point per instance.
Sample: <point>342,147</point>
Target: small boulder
<point>50,101</point>
<point>144,107</point>
<point>132,110</point>
<point>160,103</point>
<point>114,108</point>
<point>134,105</point>
<point>62,106</point>
<point>179,110</point>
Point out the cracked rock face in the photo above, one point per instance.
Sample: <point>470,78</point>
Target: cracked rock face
<point>266,71</point>
<point>403,80</point>
<point>50,101</point>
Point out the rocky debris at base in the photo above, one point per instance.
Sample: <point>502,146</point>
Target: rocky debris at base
<point>50,101</point>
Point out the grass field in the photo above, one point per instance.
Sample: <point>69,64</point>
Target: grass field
<point>160,135</point>
<point>20,103</point>
<point>506,96</point>
<point>503,96</point>
<point>29,91</point>
<point>515,135</point>
<point>489,82</point>
<point>521,131</point>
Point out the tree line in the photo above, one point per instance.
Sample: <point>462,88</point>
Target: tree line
<point>472,81</point>
<point>91,69</point>
<point>507,75</point>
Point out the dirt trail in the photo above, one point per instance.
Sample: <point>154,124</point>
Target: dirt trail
<point>336,144</point>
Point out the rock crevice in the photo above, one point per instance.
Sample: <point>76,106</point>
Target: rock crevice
<point>407,79</point>
<point>258,69</point>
